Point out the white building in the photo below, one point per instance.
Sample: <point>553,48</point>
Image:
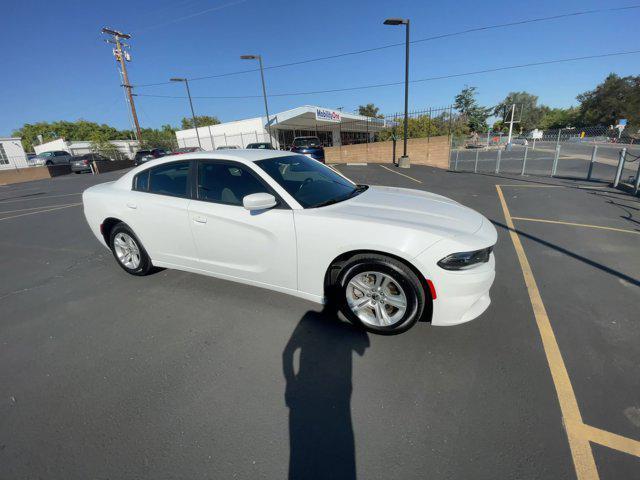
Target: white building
<point>333,127</point>
<point>11,153</point>
<point>127,148</point>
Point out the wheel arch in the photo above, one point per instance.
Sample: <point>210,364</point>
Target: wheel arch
<point>106,226</point>
<point>337,264</point>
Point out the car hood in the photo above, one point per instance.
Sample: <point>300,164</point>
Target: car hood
<point>413,209</point>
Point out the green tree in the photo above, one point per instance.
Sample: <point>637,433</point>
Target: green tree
<point>370,110</point>
<point>553,118</point>
<point>164,138</point>
<point>78,130</point>
<point>613,99</point>
<point>475,115</point>
<point>527,111</point>
<point>201,120</point>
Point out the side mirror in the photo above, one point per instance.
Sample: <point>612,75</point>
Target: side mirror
<point>259,201</point>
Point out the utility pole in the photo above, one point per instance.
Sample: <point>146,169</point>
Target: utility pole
<point>120,54</point>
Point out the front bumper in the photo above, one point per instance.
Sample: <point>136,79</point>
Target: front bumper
<point>461,295</point>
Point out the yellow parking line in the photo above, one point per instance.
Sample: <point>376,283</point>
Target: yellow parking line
<point>407,176</point>
<point>612,440</point>
<point>583,460</point>
<point>585,225</point>
<point>36,208</point>
<point>3,201</point>
<point>41,211</point>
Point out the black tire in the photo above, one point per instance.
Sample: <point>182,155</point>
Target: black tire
<point>145,266</point>
<point>400,273</point>
<point>48,163</point>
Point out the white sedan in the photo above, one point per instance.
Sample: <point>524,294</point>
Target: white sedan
<point>386,256</point>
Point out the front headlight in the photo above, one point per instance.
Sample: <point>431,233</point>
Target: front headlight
<point>465,260</point>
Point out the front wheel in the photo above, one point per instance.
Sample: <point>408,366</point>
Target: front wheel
<point>381,294</point>
<point>128,251</point>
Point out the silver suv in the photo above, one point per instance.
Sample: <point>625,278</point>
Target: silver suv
<point>56,157</point>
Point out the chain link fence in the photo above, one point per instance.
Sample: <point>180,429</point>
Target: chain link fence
<point>589,153</point>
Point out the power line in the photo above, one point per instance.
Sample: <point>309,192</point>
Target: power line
<point>420,40</point>
<point>389,84</point>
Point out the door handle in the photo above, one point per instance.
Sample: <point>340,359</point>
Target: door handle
<point>132,205</point>
<point>200,219</point>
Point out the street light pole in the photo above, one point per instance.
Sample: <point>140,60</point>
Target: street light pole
<point>264,89</point>
<point>193,114</point>
<point>403,162</point>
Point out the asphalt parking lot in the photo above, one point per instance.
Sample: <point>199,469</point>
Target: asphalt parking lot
<point>175,375</point>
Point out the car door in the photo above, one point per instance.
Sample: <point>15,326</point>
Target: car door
<point>60,158</point>
<point>258,247</point>
<point>158,212</point>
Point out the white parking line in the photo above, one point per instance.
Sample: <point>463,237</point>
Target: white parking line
<point>402,174</point>
<point>37,208</point>
<point>2,201</point>
<point>40,211</point>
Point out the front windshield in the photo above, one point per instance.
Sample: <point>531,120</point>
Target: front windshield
<point>310,182</point>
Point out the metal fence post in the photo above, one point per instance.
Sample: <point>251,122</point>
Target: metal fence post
<point>475,166</point>
<point>498,160</point>
<point>594,156</point>
<point>455,165</point>
<point>623,154</point>
<point>554,168</point>
<point>636,187</point>
<point>524,159</point>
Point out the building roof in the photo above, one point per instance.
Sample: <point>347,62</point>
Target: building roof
<point>306,117</point>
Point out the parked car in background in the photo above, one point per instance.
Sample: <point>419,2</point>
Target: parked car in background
<point>82,163</point>
<point>386,256</point>
<point>55,157</point>
<point>309,146</point>
<point>260,146</point>
<point>143,156</point>
<point>228,147</point>
<point>181,150</point>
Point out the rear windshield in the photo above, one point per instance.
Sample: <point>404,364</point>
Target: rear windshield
<point>306,142</point>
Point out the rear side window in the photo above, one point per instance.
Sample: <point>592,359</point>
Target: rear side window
<point>169,179</point>
<point>141,181</point>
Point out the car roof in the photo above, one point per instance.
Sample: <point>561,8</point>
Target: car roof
<point>238,155</point>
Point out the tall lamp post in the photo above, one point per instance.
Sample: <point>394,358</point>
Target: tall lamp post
<point>264,89</point>
<point>193,115</point>
<point>403,162</point>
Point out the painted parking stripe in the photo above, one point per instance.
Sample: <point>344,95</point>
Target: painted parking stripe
<point>583,460</point>
<point>3,201</point>
<point>406,176</point>
<point>585,225</point>
<point>37,208</point>
<point>41,211</point>
<point>578,433</point>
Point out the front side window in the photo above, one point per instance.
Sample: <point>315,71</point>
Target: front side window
<point>169,179</point>
<point>226,183</point>
<point>311,183</point>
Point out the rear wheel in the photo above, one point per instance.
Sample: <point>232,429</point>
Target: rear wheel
<point>381,294</point>
<point>128,251</point>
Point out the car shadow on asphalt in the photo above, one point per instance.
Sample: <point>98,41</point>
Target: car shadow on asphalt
<point>569,253</point>
<point>318,394</point>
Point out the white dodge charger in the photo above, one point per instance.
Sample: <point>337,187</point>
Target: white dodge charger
<point>386,256</point>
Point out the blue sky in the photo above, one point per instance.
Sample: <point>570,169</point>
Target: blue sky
<point>57,67</point>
